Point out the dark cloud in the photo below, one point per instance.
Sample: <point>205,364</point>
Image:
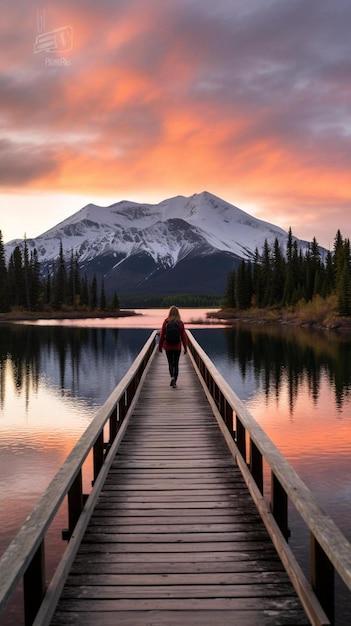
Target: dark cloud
<point>29,100</point>
<point>22,163</point>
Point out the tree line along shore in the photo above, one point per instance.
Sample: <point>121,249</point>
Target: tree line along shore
<point>288,287</point>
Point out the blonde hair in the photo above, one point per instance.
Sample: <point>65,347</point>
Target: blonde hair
<point>173,314</point>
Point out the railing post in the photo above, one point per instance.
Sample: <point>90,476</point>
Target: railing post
<point>241,438</point>
<point>322,578</point>
<point>279,506</point>
<point>122,408</point>
<point>228,417</point>
<point>221,403</point>
<point>75,501</point>
<point>34,585</point>
<point>113,425</point>
<point>130,393</point>
<point>256,465</point>
<point>98,454</point>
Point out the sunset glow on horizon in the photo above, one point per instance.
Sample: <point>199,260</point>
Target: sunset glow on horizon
<point>145,100</point>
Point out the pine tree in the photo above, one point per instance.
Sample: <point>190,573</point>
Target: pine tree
<point>244,285</point>
<point>312,266</point>
<point>4,287</point>
<point>230,297</point>
<point>16,278</point>
<point>329,282</point>
<point>338,256</point>
<point>84,291</point>
<point>73,281</point>
<point>93,294</point>
<point>47,289</point>
<point>293,273</point>
<point>277,281</point>
<point>289,247</point>
<point>114,305</point>
<point>26,275</point>
<point>36,295</point>
<point>297,274</point>
<point>102,296</point>
<point>59,282</point>
<point>257,282</point>
<point>344,291</point>
<point>342,272</point>
<point>266,274</point>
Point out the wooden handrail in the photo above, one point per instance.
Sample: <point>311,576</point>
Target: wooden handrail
<point>25,556</point>
<point>330,550</point>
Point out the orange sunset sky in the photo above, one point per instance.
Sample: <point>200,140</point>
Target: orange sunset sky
<point>148,99</point>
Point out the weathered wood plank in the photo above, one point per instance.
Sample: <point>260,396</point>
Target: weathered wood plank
<point>277,606</point>
<point>179,537</point>
<point>114,499</point>
<point>176,547</point>
<point>102,565</point>
<point>201,527</point>
<point>196,617</point>
<point>126,581</point>
<point>116,517</point>
<point>188,552</point>
<point>171,591</point>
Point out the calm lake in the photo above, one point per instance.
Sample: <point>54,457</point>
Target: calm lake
<point>55,374</point>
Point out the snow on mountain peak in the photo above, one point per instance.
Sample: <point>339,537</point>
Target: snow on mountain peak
<point>167,231</point>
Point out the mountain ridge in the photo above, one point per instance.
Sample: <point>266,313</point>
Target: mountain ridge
<point>180,245</point>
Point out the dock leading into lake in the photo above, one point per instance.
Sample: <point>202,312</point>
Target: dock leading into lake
<point>175,537</point>
<point>177,529</point>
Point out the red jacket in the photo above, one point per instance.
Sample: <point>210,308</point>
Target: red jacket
<point>178,346</point>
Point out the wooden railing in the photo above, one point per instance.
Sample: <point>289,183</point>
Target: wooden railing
<point>25,557</point>
<point>330,551</point>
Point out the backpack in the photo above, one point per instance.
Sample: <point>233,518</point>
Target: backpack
<point>172,333</point>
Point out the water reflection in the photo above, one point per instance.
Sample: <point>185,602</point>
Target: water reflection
<point>31,350</point>
<point>275,356</point>
<point>78,361</point>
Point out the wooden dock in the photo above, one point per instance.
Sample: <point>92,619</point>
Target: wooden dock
<point>175,538</point>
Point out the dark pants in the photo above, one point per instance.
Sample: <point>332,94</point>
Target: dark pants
<point>173,362</point>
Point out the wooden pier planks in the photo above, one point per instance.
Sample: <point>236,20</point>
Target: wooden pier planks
<point>175,537</point>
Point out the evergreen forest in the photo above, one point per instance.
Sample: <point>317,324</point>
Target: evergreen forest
<point>279,279</point>
<point>22,286</point>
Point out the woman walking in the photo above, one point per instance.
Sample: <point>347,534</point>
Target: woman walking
<point>172,337</point>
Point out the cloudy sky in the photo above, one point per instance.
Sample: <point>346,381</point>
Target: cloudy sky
<point>148,99</point>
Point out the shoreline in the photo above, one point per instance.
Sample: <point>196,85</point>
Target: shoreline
<point>22,316</point>
<point>283,318</point>
<point>325,320</point>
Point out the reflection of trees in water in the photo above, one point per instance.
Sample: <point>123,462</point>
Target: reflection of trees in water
<point>277,355</point>
<point>294,356</point>
<point>23,346</point>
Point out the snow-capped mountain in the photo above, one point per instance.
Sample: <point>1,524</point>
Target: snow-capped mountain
<point>181,245</point>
